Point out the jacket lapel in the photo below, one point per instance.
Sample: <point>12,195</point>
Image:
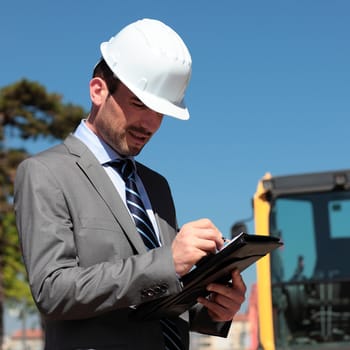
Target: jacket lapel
<point>97,176</point>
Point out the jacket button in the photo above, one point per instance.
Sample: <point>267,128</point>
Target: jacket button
<point>163,287</point>
<point>150,292</point>
<point>144,293</point>
<point>157,290</point>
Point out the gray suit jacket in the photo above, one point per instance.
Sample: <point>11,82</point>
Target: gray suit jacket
<point>86,263</point>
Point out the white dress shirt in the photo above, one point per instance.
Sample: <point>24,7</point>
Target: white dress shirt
<point>104,154</point>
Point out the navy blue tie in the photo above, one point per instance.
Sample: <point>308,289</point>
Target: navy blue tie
<point>125,167</point>
<point>135,204</point>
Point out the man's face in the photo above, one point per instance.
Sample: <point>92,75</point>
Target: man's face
<point>124,122</point>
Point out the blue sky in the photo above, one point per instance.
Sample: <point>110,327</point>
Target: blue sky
<point>269,89</point>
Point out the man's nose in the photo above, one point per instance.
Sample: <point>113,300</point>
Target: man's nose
<point>151,119</point>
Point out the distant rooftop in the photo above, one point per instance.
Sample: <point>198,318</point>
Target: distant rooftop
<point>28,334</point>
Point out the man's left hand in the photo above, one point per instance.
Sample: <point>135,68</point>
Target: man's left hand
<point>225,300</point>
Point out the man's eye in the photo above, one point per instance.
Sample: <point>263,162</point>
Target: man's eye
<point>138,104</point>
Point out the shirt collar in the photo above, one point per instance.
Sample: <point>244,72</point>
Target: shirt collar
<point>101,150</point>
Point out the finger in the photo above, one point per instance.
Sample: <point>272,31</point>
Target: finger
<point>237,281</point>
<point>216,311</point>
<point>207,243</point>
<point>213,235</point>
<point>203,234</point>
<point>228,298</point>
<point>234,291</point>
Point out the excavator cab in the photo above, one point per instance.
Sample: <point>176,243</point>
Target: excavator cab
<point>310,274</point>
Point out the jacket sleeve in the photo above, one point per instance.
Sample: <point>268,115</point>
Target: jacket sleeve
<point>201,322</point>
<point>62,286</point>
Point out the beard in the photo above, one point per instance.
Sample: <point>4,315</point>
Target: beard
<point>121,143</point>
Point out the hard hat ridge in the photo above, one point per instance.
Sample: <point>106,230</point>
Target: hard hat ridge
<point>152,60</point>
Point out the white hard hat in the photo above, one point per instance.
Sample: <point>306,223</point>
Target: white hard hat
<point>151,59</point>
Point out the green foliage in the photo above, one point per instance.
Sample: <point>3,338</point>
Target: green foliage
<point>14,282</point>
<point>29,112</point>
<point>14,276</point>
<point>28,108</point>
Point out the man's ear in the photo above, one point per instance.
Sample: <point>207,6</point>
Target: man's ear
<point>98,91</point>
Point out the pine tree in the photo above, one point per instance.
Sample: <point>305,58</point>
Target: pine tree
<point>27,112</point>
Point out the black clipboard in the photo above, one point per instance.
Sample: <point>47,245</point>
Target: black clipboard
<point>241,252</point>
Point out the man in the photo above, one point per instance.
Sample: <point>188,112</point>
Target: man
<point>87,261</point>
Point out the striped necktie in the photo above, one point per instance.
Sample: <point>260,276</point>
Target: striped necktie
<point>135,204</point>
<point>145,228</point>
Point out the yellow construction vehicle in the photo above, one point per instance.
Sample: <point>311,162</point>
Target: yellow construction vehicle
<point>304,287</point>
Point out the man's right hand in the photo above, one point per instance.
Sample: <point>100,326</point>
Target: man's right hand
<point>194,241</point>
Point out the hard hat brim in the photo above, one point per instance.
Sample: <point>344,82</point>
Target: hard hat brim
<point>156,103</point>
<point>160,105</point>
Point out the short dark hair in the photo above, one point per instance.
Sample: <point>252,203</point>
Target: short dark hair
<point>102,71</point>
